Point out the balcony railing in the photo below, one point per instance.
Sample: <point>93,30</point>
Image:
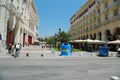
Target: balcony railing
<point>105,10</point>
<point>97,5</point>
<point>98,24</point>
<point>105,22</point>
<point>114,18</point>
<point>11,7</point>
<point>115,4</point>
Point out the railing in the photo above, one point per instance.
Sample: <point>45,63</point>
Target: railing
<point>114,18</point>
<point>98,4</point>
<point>98,24</point>
<point>105,9</point>
<point>117,3</point>
<point>105,21</point>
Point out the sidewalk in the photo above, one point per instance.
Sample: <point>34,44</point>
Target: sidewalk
<point>4,55</point>
<point>35,52</point>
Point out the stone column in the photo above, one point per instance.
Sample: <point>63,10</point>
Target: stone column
<point>17,36</point>
<point>21,37</point>
<point>12,21</point>
<point>103,36</point>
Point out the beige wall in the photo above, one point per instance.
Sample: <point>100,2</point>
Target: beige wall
<point>88,21</point>
<point>19,18</point>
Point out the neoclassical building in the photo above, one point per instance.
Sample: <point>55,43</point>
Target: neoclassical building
<point>97,19</point>
<point>18,21</point>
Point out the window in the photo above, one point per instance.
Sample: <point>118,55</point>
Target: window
<point>106,17</point>
<point>11,0</point>
<point>90,20</point>
<point>0,11</point>
<point>94,18</point>
<point>99,21</point>
<point>114,0</point>
<point>17,7</point>
<point>18,1</point>
<point>115,12</point>
<point>94,25</point>
<point>106,5</point>
<point>98,10</point>
<point>24,1</point>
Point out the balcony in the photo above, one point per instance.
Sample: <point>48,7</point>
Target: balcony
<point>105,10</point>
<point>115,18</point>
<point>98,14</point>
<point>97,4</point>
<point>103,1</point>
<point>115,4</point>
<point>11,7</point>
<point>105,22</point>
<point>98,24</point>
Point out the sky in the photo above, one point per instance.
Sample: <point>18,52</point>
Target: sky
<point>55,14</point>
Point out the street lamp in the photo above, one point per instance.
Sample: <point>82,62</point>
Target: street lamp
<point>59,30</point>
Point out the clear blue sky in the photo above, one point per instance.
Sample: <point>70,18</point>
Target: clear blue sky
<point>55,14</point>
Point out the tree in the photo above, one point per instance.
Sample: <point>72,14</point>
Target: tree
<point>64,37</point>
<point>51,40</point>
<point>40,39</point>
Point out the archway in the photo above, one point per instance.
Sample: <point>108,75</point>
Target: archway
<point>100,36</point>
<point>116,33</point>
<point>94,36</point>
<point>90,36</point>
<point>108,35</point>
<point>86,36</point>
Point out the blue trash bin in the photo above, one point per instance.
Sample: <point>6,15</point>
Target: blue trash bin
<point>66,49</point>
<point>103,51</point>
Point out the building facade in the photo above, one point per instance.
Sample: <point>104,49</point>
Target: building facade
<point>97,19</point>
<point>18,21</point>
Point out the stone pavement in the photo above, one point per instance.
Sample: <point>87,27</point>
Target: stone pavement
<point>51,66</point>
<point>36,52</point>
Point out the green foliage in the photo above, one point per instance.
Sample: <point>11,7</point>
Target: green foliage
<point>76,50</point>
<point>63,37</point>
<point>56,49</point>
<point>51,40</point>
<point>41,39</point>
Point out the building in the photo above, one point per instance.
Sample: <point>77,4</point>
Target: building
<point>18,22</point>
<point>97,19</point>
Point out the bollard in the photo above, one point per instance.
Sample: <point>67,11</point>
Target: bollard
<point>80,53</point>
<point>0,49</point>
<point>114,78</point>
<point>27,54</point>
<point>92,54</point>
<point>41,55</point>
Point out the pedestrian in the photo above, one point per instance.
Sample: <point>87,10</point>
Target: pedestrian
<point>118,52</point>
<point>9,48</point>
<point>18,48</point>
<point>13,49</point>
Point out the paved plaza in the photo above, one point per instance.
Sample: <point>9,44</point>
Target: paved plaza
<point>51,66</point>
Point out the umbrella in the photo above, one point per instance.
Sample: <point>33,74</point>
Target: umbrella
<point>78,40</point>
<point>98,41</point>
<point>114,42</point>
<point>88,41</point>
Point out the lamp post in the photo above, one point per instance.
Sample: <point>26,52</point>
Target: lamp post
<point>59,30</point>
<point>55,39</point>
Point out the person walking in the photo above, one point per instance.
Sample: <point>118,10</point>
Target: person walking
<point>13,50</point>
<point>17,50</point>
<point>9,48</point>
